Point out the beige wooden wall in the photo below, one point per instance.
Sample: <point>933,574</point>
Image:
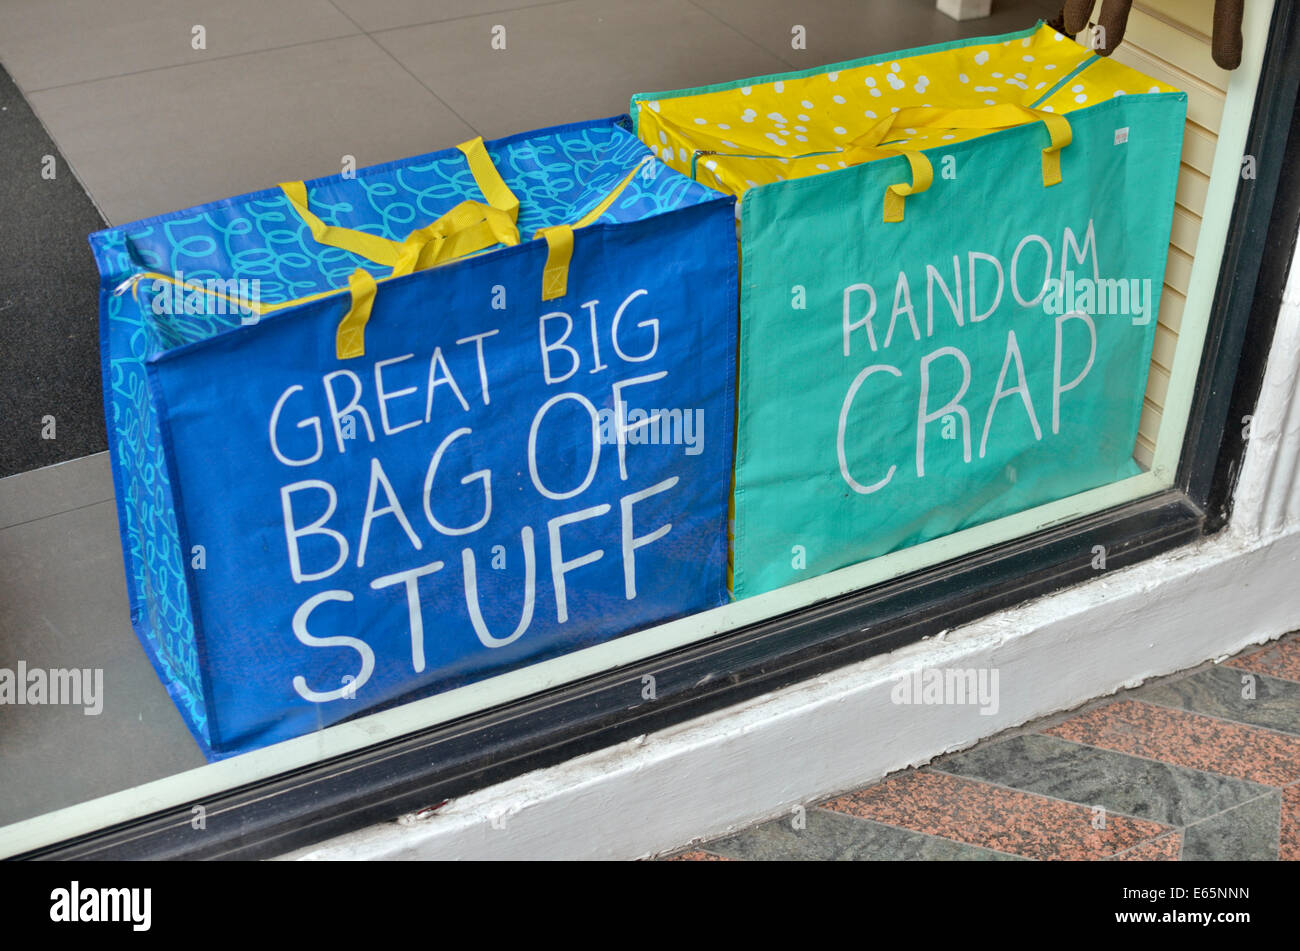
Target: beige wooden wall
<point>1170,40</point>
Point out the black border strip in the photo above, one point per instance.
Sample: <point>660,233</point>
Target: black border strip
<point>419,770</point>
<point>1256,261</point>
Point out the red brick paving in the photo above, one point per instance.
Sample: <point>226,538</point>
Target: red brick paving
<point>1280,660</point>
<point>1187,739</point>
<point>1007,820</point>
<point>1289,844</point>
<point>1164,849</point>
<point>1021,823</point>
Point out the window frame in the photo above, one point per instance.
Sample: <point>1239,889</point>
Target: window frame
<point>418,770</point>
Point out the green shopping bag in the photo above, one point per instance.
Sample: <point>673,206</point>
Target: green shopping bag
<point>946,319</point>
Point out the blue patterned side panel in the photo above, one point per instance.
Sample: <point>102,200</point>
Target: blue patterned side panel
<point>160,608</point>
<point>558,174</point>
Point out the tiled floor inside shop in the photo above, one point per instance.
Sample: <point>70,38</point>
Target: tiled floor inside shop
<point>280,90</point>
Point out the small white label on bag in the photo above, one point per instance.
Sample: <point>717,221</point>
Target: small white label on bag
<point>1121,135</point>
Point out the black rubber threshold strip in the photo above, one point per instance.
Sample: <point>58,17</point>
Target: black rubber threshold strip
<point>50,404</point>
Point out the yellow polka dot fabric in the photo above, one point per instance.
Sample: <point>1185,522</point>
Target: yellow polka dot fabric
<point>741,135</point>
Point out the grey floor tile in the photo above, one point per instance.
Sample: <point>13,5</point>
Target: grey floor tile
<point>838,30</point>
<point>63,605</point>
<point>46,43</point>
<point>571,61</point>
<point>832,837</point>
<point>387,14</point>
<point>54,489</point>
<point>1122,784</point>
<point>166,140</point>
<point>1222,692</point>
<point>1247,833</point>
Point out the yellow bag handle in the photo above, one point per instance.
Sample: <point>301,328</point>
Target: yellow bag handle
<point>469,227</point>
<point>350,339</point>
<point>559,252</point>
<point>922,175</point>
<point>488,179</point>
<point>559,240</point>
<point>385,251</point>
<point>872,143</point>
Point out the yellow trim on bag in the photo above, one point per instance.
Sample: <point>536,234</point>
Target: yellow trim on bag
<point>350,340</point>
<point>469,228</point>
<point>397,254</point>
<point>922,177</point>
<point>922,174</point>
<point>350,337</point>
<point>871,144</point>
<point>559,239</point>
<point>810,127</point>
<point>260,309</point>
<point>559,252</point>
<point>1058,128</point>
<point>1002,116</point>
<point>369,246</point>
<point>609,199</point>
<point>134,282</point>
<point>488,179</point>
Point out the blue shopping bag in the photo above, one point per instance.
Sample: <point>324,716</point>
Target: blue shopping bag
<point>476,412</point>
